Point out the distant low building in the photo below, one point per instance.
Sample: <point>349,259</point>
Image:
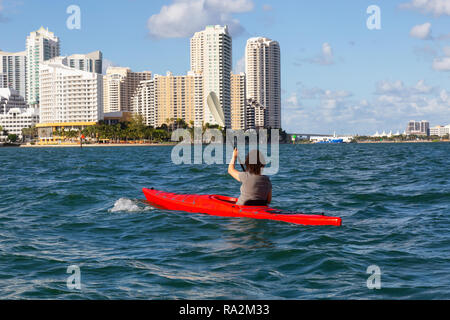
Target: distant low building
<point>15,114</point>
<point>10,98</point>
<point>440,131</point>
<point>332,139</point>
<point>17,119</point>
<point>420,128</point>
<point>385,135</point>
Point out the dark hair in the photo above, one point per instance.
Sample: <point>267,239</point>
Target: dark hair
<point>251,166</point>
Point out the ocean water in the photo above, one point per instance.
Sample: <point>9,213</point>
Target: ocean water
<point>61,207</point>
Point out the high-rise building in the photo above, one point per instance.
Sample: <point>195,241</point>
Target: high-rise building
<point>10,98</point>
<point>169,97</point>
<point>91,62</point>
<point>143,102</point>
<point>14,112</point>
<point>440,131</point>
<point>263,71</point>
<point>119,87</point>
<point>13,71</point>
<point>69,96</point>
<point>418,128</point>
<point>211,55</point>
<point>256,115</point>
<point>41,46</point>
<point>238,102</point>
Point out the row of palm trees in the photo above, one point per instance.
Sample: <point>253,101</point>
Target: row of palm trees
<point>401,138</point>
<point>122,131</point>
<point>133,130</point>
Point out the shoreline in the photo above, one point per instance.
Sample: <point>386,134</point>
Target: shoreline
<point>403,141</point>
<point>98,145</point>
<point>101,145</point>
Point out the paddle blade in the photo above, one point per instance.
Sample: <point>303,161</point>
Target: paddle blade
<point>216,109</point>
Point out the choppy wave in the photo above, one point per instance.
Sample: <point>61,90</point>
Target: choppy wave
<point>64,207</point>
<point>128,205</point>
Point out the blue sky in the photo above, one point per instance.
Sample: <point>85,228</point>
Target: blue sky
<point>337,75</point>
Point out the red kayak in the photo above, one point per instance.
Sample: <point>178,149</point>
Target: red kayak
<point>226,207</point>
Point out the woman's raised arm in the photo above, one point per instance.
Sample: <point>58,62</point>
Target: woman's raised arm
<point>231,168</point>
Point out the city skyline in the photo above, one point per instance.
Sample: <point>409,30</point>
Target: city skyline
<point>350,79</point>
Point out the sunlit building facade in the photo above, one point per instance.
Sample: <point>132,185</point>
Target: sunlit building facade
<point>41,46</point>
<point>168,98</point>
<point>120,85</point>
<point>13,71</point>
<point>211,55</point>
<point>69,95</point>
<point>238,102</point>
<point>263,71</point>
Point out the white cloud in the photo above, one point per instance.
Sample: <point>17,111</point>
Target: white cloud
<point>444,96</point>
<point>316,110</point>
<point>318,93</point>
<point>389,87</point>
<point>422,31</point>
<point>326,57</point>
<point>292,100</point>
<point>182,18</point>
<point>447,51</point>
<point>435,7</point>
<point>441,64</point>
<point>398,88</point>
<point>106,64</point>
<point>327,54</point>
<point>421,87</point>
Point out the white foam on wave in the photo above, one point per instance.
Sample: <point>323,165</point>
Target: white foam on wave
<point>128,205</point>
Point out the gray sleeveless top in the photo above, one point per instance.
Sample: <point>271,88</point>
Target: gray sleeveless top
<point>253,187</point>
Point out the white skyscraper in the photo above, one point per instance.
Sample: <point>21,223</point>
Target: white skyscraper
<point>69,95</point>
<point>211,55</point>
<point>263,71</point>
<point>91,62</point>
<point>13,71</point>
<point>41,45</point>
<point>143,102</point>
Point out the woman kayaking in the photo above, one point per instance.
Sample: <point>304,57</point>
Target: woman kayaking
<point>256,189</point>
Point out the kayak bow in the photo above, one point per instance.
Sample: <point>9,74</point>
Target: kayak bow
<point>226,207</point>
